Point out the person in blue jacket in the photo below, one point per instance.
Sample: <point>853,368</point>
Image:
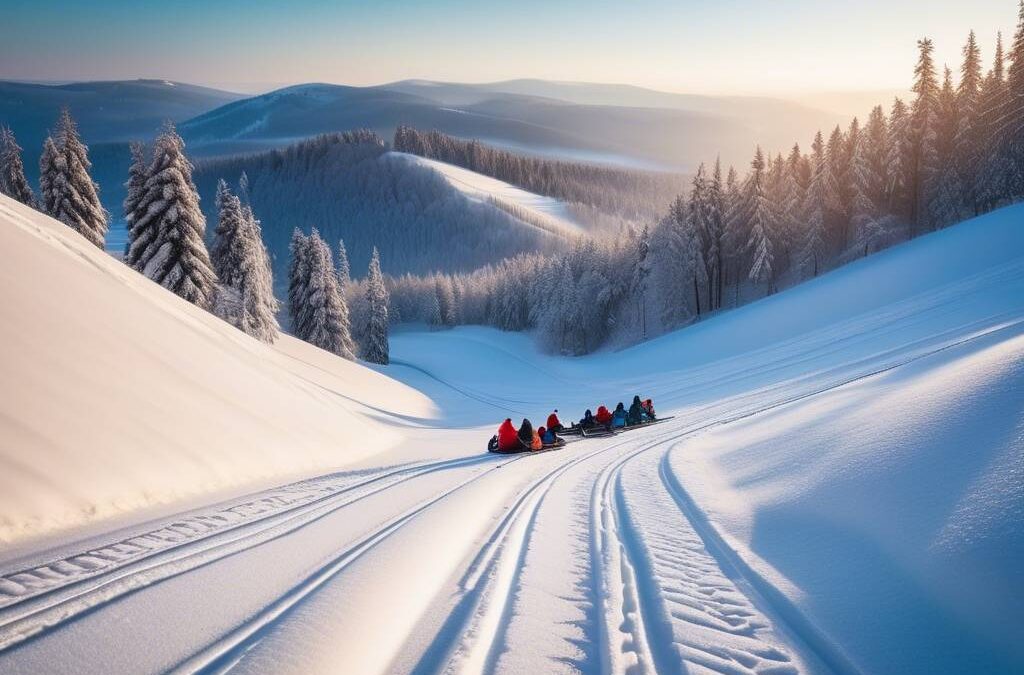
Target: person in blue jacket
<point>619,416</point>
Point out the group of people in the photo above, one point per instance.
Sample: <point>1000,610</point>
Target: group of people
<point>640,412</point>
<point>510,439</point>
<point>525,438</point>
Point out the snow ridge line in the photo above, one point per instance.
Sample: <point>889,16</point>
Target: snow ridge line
<point>229,649</point>
<point>54,605</point>
<point>759,590</point>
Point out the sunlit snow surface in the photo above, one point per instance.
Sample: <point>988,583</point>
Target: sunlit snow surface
<point>840,489</point>
<point>547,212</point>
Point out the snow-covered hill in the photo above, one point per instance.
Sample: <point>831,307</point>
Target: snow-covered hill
<point>839,491</point>
<point>118,395</point>
<point>546,213</point>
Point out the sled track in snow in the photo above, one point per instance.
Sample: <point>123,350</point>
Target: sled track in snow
<point>40,598</point>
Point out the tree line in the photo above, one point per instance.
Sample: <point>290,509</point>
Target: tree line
<point>955,151</point>
<point>633,195</point>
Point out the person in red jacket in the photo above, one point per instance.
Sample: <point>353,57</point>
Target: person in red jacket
<point>603,416</point>
<point>554,424</point>
<point>508,437</point>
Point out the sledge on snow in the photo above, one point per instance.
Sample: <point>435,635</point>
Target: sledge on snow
<point>509,440</point>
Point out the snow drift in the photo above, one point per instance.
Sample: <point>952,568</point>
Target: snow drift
<point>118,395</point>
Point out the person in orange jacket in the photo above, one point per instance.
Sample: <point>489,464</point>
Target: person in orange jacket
<point>508,437</point>
<point>554,424</point>
<point>603,416</point>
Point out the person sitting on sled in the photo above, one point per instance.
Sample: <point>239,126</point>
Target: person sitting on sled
<point>508,438</point>
<point>636,412</point>
<point>554,424</point>
<point>588,421</point>
<point>603,417</point>
<point>619,416</point>
<point>547,436</point>
<point>528,436</point>
<point>649,410</point>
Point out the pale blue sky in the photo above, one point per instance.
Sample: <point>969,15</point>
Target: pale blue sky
<point>700,46</point>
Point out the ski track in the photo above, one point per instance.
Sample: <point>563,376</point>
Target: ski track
<point>39,598</point>
<point>659,593</point>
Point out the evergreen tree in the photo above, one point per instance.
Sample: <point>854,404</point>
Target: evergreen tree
<point>924,131</point>
<point>226,250</point>
<point>135,189</point>
<point>761,243</point>
<point>51,164</point>
<point>991,183</point>
<point>12,172</point>
<point>791,203</point>
<point>1011,122</point>
<point>74,195</point>
<point>837,215</point>
<point>344,271</point>
<point>641,272</point>
<point>326,313</point>
<point>298,281</point>
<point>716,230</point>
<point>246,292</point>
<point>945,194</point>
<point>169,246</point>
<point>968,143</point>
<point>376,348</point>
<point>817,203</point>
<point>871,222</point>
<point>898,161</point>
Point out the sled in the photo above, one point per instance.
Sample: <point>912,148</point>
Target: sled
<point>522,450</point>
<point>644,424</point>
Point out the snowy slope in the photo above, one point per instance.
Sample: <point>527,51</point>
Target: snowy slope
<point>118,395</point>
<point>838,492</point>
<point>546,213</point>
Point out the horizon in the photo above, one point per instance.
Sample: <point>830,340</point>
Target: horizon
<point>696,49</point>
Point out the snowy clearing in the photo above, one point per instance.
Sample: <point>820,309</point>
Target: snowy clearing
<point>840,489</point>
<point>539,211</point>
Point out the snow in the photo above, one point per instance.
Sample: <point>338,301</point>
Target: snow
<point>95,360</point>
<point>840,489</point>
<point>546,212</point>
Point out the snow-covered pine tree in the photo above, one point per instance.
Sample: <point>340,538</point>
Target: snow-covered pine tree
<point>298,281</point>
<point>641,272</point>
<point>226,250</point>
<point>923,133</point>
<point>791,205</point>
<point>945,194</point>
<point>968,142</point>
<point>761,214</point>
<point>837,216</point>
<point>871,222</point>
<point>376,349</point>
<point>75,197</point>
<point>697,211</point>
<point>445,301</point>
<point>243,189</point>
<point>732,222</point>
<point>344,271</point>
<point>1011,127</point>
<point>12,172</point>
<point>716,230</point>
<point>51,163</point>
<point>817,202</point>
<point>252,307</point>
<point>169,246</point>
<point>135,189</point>
<point>327,324</point>
<point>990,184</point>
<point>898,161</point>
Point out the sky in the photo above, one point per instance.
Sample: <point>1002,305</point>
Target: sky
<point>694,46</point>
